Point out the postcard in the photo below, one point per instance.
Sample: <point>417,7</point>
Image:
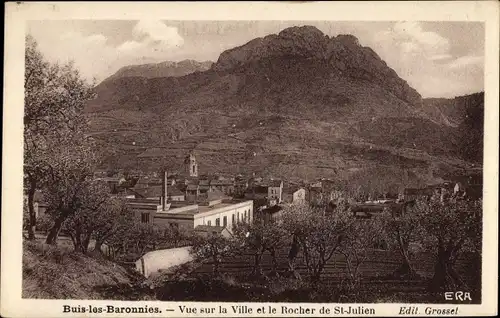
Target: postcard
<point>250,159</point>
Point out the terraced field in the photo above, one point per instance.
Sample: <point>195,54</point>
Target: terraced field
<point>378,283</point>
<point>379,264</point>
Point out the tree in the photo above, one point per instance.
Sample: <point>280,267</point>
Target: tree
<point>259,238</point>
<point>133,239</point>
<point>115,219</point>
<point>360,238</point>
<point>100,220</point>
<point>400,230</point>
<point>214,247</point>
<point>318,234</point>
<point>54,97</point>
<point>450,228</point>
<point>70,187</point>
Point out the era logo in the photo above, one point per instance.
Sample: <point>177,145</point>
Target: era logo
<point>459,295</point>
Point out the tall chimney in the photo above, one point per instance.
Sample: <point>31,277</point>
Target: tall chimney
<point>164,190</point>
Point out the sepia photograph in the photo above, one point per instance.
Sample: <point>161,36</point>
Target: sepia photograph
<point>253,161</point>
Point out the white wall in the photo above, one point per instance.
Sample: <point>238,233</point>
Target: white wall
<point>299,196</point>
<point>248,207</point>
<point>162,260</point>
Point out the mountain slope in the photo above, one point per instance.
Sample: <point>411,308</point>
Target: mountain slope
<point>466,114</point>
<point>163,69</point>
<point>296,104</point>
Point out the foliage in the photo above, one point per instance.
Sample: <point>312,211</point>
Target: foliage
<point>54,98</point>
<point>259,238</point>
<point>449,229</point>
<point>70,187</point>
<point>359,239</point>
<point>318,234</point>
<point>214,247</point>
<point>134,240</point>
<point>400,230</point>
<point>102,218</point>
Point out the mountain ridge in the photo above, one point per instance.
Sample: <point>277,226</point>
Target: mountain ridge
<point>292,105</point>
<point>161,69</point>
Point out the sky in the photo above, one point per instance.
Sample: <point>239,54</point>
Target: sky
<point>438,59</point>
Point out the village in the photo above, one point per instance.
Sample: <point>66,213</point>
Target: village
<point>190,201</point>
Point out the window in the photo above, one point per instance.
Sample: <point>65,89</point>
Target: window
<point>245,218</point>
<point>224,221</point>
<point>145,217</point>
<point>217,222</point>
<point>209,223</point>
<point>238,218</point>
<point>194,168</point>
<point>233,217</point>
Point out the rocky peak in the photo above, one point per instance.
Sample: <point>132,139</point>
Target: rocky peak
<point>306,32</point>
<point>347,39</point>
<point>304,41</point>
<point>344,54</point>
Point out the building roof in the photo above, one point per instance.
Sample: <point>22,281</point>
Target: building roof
<point>209,229</point>
<point>192,187</point>
<point>148,181</point>
<point>258,188</point>
<point>221,182</point>
<point>271,183</point>
<point>174,191</point>
<point>192,180</point>
<point>150,192</point>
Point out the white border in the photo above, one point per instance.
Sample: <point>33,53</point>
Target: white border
<point>17,14</point>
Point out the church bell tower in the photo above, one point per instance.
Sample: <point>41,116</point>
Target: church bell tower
<point>191,165</point>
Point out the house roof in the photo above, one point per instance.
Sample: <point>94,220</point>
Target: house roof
<point>192,187</point>
<point>209,229</point>
<point>192,180</point>
<point>272,183</point>
<point>174,191</point>
<point>221,182</point>
<point>150,192</point>
<point>258,188</point>
<point>148,181</point>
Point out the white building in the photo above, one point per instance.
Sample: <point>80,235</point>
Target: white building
<point>211,211</point>
<point>218,213</point>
